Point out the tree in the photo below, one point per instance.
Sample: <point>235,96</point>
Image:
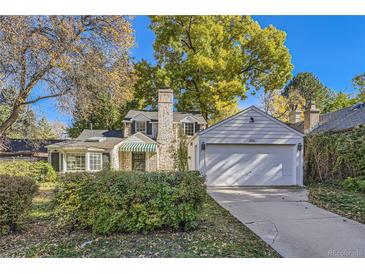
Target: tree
<point>339,101</point>
<point>101,113</point>
<point>308,86</point>
<point>150,79</point>
<point>59,53</point>
<point>358,83</point>
<point>212,61</point>
<point>45,130</point>
<point>279,106</point>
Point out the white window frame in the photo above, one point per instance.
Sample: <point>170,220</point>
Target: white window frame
<point>94,167</point>
<point>67,155</point>
<point>137,126</point>
<point>154,129</point>
<point>185,128</point>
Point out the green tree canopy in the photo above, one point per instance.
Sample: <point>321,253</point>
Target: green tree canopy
<point>359,84</point>
<point>308,86</point>
<point>213,61</point>
<point>338,101</point>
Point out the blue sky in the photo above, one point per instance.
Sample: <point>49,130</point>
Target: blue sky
<point>332,47</point>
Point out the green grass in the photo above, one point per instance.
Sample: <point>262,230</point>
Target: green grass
<point>338,200</point>
<point>219,235</point>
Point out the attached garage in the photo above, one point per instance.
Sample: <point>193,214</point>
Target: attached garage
<point>250,148</point>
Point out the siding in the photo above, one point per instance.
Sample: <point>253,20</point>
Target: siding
<point>240,130</point>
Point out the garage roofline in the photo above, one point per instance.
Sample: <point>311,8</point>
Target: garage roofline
<point>242,112</point>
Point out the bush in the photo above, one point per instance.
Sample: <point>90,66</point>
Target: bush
<point>354,184</point>
<point>42,172</point>
<point>333,157</point>
<point>109,202</point>
<point>16,194</point>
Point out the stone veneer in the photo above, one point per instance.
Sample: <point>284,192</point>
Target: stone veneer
<point>127,129</point>
<point>125,161</point>
<point>151,161</point>
<point>165,135</point>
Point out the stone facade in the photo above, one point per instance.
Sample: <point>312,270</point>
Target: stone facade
<point>151,161</point>
<point>125,161</point>
<point>165,136</point>
<point>127,129</point>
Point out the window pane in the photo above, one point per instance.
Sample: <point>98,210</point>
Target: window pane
<point>141,127</point>
<point>189,129</point>
<point>75,162</point>
<point>95,161</point>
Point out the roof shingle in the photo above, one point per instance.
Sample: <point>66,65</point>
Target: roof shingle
<point>343,119</point>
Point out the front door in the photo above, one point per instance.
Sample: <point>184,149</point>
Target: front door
<point>139,161</point>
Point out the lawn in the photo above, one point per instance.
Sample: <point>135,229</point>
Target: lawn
<point>340,201</point>
<point>218,235</point>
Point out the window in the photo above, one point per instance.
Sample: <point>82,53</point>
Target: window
<point>75,162</point>
<point>140,126</point>
<point>189,129</point>
<point>95,161</point>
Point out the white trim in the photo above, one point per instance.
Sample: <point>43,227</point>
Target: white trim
<point>101,161</point>
<point>145,126</point>
<point>188,117</point>
<point>184,123</point>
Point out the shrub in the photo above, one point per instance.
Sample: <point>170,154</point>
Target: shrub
<point>109,202</point>
<point>354,184</point>
<point>333,157</point>
<point>42,172</point>
<point>16,195</point>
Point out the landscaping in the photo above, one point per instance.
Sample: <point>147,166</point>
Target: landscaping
<point>338,200</point>
<point>207,230</point>
<point>335,172</point>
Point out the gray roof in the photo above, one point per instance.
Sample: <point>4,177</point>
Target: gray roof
<point>108,139</point>
<point>153,115</point>
<point>341,120</point>
<point>107,143</point>
<point>88,133</point>
<point>26,145</point>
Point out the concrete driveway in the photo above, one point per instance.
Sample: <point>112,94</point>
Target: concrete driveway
<point>293,227</point>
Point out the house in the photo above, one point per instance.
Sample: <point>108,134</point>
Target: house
<point>337,121</point>
<point>144,144</point>
<point>250,148</point>
<point>23,149</point>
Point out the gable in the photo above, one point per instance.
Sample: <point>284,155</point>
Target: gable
<point>141,118</point>
<point>189,119</point>
<point>138,138</point>
<point>250,125</point>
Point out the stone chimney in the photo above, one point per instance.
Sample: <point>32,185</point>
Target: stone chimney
<point>294,116</point>
<point>311,118</point>
<point>165,136</point>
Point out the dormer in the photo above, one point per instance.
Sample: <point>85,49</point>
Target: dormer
<point>190,125</point>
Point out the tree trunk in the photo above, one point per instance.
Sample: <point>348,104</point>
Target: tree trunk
<point>10,121</point>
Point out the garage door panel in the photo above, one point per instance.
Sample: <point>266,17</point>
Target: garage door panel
<point>239,165</point>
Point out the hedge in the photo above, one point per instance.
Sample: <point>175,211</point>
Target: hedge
<point>42,172</point>
<point>333,157</point>
<point>114,201</point>
<point>16,194</point>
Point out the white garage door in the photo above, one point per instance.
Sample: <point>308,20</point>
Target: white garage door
<point>250,165</point>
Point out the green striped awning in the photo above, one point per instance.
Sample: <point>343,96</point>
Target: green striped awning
<point>138,147</point>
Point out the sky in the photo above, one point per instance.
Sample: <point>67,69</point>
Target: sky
<point>331,47</point>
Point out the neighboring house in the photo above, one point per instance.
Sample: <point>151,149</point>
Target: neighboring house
<point>337,121</point>
<point>250,148</point>
<point>22,149</point>
<point>144,144</point>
